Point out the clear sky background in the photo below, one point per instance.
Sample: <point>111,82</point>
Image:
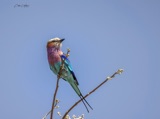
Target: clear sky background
<point>103,35</point>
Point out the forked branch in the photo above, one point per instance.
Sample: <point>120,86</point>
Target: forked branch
<point>54,103</point>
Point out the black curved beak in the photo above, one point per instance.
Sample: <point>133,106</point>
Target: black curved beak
<point>62,40</point>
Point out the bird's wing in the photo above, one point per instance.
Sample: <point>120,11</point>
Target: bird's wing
<point>68,64</point>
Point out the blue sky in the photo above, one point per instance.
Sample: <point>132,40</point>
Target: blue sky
<point>103,35</point>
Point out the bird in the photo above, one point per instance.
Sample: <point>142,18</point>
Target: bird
<point>55,58</point>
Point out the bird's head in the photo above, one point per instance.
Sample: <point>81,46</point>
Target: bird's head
<point>55,42</point>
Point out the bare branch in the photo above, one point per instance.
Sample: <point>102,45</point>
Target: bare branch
<point>108,78</point>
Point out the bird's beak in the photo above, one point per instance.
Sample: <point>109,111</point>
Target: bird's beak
<point>62,40</point>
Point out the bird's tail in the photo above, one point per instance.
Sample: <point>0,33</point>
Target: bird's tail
<point>85,102</point>
<point>75,87</point>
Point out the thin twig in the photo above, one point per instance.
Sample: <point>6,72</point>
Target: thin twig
<point>57,84</point>
<point>56,101</point>
<point>108,78</point>
<point>45,116</point>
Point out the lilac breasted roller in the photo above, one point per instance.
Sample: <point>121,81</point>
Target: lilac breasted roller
<point>55,57</point>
